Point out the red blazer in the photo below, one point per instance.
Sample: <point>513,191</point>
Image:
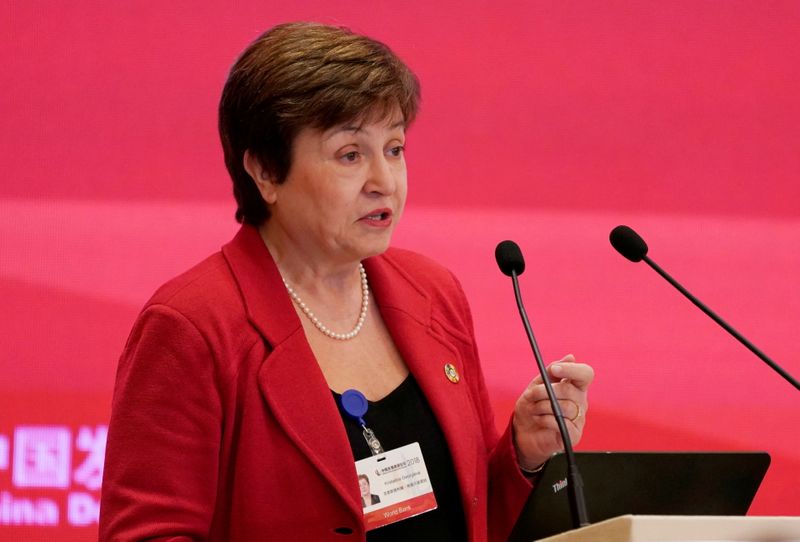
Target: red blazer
<point>224,429</point>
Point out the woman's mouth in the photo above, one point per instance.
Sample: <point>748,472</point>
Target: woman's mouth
<point>378,217</point>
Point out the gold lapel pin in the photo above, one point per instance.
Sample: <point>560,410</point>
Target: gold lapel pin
<point>451,373</point>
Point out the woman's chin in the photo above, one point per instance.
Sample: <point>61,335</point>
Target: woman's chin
<point>374,246</point>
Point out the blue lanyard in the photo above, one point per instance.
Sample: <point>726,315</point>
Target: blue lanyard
<point>356,405</point>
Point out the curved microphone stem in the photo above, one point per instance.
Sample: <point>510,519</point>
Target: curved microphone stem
<point>738,336</point>
<point>577,502</point>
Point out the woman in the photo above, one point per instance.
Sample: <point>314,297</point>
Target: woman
<point>231,418</point>
<point>367,497</point>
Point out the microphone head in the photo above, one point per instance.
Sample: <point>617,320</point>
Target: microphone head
<point>628,243</point>
<point>509,258</point>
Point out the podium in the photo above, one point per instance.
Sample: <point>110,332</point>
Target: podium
<point>686,529</point>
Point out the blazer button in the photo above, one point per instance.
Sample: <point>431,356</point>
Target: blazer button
<point>475,501</point>
<point>343,530</point>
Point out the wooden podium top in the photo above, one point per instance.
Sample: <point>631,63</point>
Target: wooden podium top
<point>686,529</point>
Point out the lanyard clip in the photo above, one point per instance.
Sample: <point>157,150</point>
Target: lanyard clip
<point>372,441</point>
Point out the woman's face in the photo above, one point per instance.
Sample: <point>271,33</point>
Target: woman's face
<point>344,193</point>
<point>364,487</point>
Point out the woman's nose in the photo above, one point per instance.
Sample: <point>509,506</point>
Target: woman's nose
<point>381,177</point>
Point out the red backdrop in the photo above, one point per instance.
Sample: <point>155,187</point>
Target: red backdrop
<point>545,122</point>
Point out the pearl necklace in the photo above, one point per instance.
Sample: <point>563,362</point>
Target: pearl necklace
<point>322,327</point>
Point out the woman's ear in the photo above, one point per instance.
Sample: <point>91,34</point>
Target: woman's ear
<point>261,177</point>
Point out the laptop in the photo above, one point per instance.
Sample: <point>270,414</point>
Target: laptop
<point>644,483</point>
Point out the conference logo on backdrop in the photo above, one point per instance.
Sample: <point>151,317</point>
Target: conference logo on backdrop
<point>55,475</point>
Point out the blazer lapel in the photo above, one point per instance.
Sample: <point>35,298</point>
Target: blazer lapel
<point>290,379</point>
<point>406,309</point>
<point>298,396</point>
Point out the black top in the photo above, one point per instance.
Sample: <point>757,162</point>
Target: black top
<point>400,418</point>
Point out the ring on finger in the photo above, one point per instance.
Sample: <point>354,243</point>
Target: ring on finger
<point>578,415</point>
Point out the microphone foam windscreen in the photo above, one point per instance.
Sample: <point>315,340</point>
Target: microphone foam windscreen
<point>509,258</point>
<point>628,243</point>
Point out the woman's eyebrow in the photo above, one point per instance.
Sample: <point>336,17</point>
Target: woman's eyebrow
<point>340,129</point>
<point>359,128</point>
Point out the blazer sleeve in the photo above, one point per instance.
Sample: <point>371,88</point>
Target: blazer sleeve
<point>508,487</point>
<point>162,452</point>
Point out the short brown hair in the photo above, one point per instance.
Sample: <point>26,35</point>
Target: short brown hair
<point>300,75</point>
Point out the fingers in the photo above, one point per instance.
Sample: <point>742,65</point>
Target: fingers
<point>535,402</point>
<point>570,409</point>
<point>535,426</point>
<point>557,442</point>
<point>565,389</point>
<point>548,424</point>
<point>571,382</point>
<point>580,374</point>
<point>541,416</point>
<point>547,438</point>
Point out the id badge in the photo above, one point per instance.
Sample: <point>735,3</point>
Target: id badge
<point>394,486</point>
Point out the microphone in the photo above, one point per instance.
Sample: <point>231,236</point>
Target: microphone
<point>628,243</point>
<point>509,259</point>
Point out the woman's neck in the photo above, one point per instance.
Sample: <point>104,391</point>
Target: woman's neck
<point>311,272</point>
